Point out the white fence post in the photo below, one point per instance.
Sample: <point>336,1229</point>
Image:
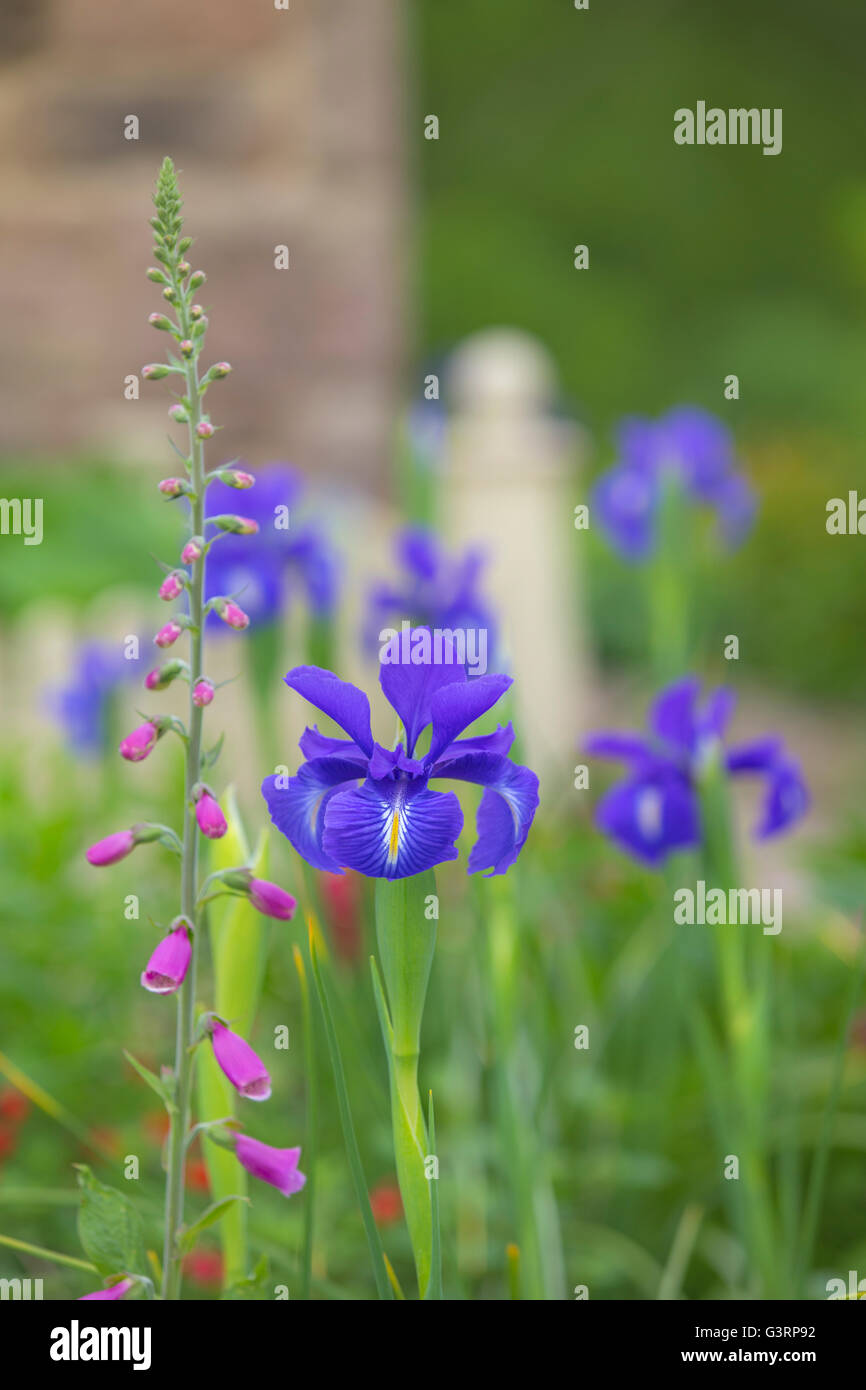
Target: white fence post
<point>510,486</point>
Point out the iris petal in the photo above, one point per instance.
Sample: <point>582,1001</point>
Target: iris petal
<point>651,816</point>
<point>786,801</point>
<point>455,707</point>
<point>392,828</point>
<point>410,687</point>
<point>507,806</point>
<point>298,809</point>
<point>673,716</point>
<point>344,703</point>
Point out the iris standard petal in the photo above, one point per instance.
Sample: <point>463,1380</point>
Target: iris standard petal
<point>651,816</point>
<point>392,828</point>
<point>297,810</point>
<point>499,741</point>
<point>673,715</point>
<point>411,687</point>
<point>344,703</point>
<point>626,747</point>
<point>624,500</point>
<point>507,806</point>
<point>455,707</point>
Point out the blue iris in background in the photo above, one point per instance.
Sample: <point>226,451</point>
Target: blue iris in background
<point>697,451</point>
<point>433,589</point>
<point>392,824</point>
<point>82,706</point>
<point>282,558</point>
<point>656,809</point>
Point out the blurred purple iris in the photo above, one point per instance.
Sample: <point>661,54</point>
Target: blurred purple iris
<point>656,809</point>
<point>433,589</point>
<point>698,450</point>
<point>82,705</point>
<point>261,570</point>
<point>393,824</point>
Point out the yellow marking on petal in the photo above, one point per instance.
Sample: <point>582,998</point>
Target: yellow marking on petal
<point>395,836</point>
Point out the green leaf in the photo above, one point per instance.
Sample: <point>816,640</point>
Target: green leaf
<point>208,758</point>
<point>253,1288</point>
<point>162,1088</point>
<point>109,1227</point>
<point>214,1213</point>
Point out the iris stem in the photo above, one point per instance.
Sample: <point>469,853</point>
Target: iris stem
<point>406,917</point>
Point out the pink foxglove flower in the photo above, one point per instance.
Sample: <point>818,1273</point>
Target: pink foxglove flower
<point>279,1167</point>
<point>271,900</point>
<point>168,634</point>
<point>204,429</point>
<point>137,745</point>
<point>236,477</point>
<point>171,487</point>
<point>112,848</point>
<point>172,586</point>
<point>202,692</point>
<point>116,1291</point>
<point>166,970</point>
<point>211,821</point>
<point>230,613</point>
<point>192,551</point>
<point>247,1072</point>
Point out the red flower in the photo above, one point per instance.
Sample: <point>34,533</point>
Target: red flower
<point>386,1203</point>
<point>13,1105</point>
<point>197,1179</point>
<point>204,1267</point>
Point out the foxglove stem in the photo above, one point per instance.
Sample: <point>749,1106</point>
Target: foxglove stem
<point>406,912</point>
<point>180,1119</point>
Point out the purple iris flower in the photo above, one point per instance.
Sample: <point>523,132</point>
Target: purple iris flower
<point>434,590</point>
<point>82,705</point>
<point>656,809</point>
<point>262,569</point>
<point>698,450</point>
<point>393,824</point>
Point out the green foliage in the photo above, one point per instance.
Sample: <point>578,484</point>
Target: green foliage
<point>109,1227</point>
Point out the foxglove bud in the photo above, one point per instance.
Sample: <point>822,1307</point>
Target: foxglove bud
<point>244,1069</point>
<point>187,347</point>
<point>166,970</point>
<point>168,634</point>
<point>172,585</point>
<point>202,692</point>
<point>204,429</point>
<point>170,294</point>
<point>137,745</point>
<point>197,278</point>
<point>159,321</point>
<point>155,371</point>
<point>218,371</point>
<point>196,311</point>
<point>193,550</point>
<point>235,477</point>
<point>211,821</point>
<point>237,525</point>
<point>162,677</point>
<point>174,487</point>
<point>112,848</point>
<point>183,268</point>
<point>184,244</point>
<point>231,614</point>
<point>178,413</point>
<point>156,275</point>
<point>271,900</point>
